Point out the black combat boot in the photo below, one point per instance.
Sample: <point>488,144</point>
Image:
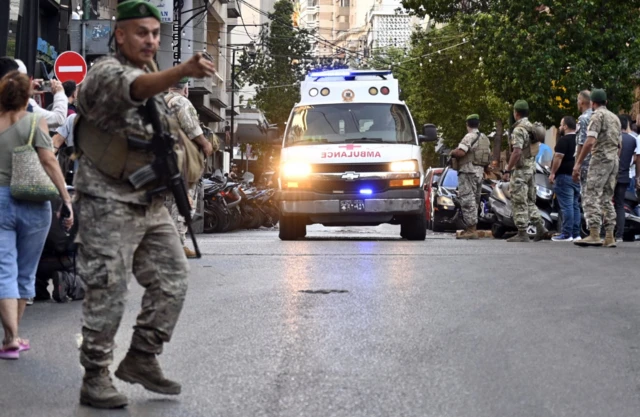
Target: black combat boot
<point>521,237</point>
<point>143,368</point>
<point>98,391</point>
<point>541,232</point>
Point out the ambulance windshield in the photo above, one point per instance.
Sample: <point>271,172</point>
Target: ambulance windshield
<point>350,123</point>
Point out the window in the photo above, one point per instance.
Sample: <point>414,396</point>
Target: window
<point>350,123</point>
<point>450,180</point>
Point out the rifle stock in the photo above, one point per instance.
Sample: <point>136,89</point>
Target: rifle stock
<point>167,170</point>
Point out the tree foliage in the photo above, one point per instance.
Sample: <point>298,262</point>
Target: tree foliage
<point>547,53</point>
<point>279,66</point>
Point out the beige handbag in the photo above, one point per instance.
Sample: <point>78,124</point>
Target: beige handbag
<point>29,181</point>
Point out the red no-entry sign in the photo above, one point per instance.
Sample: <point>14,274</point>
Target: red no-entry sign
<point>70,66</point>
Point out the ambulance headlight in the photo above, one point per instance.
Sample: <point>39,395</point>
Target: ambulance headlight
<point>313,92</point>
<point>296,169</point>
<point>404,166</point>
<point>325,92</point>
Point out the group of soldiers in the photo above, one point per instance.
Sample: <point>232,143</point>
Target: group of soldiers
<point>596,167</point>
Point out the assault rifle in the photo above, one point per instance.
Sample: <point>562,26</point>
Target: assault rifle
<point>166,168</point>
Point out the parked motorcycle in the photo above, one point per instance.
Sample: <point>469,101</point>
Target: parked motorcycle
<point>501,205</point>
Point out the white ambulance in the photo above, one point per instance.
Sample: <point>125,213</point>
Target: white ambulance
<point>351,156</point>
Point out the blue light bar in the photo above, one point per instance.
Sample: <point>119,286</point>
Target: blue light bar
<point>366,191</point>
<point>348,74</point>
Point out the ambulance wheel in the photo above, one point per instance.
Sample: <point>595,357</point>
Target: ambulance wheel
<point>292,228</point>
<point>414,227</point>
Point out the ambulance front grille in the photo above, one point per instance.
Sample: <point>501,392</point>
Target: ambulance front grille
<point>340,168</point>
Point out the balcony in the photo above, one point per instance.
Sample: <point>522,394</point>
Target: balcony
<point>219,97</point>
<point>232,9</point>
<point>340,26</point>
<point>202,86</point>
<point>342,11</point>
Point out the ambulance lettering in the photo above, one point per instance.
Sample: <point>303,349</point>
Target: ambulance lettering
<point>350,153</point>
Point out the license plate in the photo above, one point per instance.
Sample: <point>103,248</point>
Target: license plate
<point>348,206</point>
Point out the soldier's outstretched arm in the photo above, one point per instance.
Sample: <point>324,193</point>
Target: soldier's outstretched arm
<point>150,84</point>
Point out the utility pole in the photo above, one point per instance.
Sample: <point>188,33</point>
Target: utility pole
<point>27,34</point>
<point>233,96</point>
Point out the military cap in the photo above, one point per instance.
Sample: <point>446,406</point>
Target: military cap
<point>521,105</point>
<point>473,117</point>
<point>137,9</point>
<point>184,80</point>
<point>598,95</point>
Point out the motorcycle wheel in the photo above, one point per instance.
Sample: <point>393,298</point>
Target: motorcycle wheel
<point>258,219</point>
<point>210,222</point>
<point>248,213</point>
<point>223,220</point>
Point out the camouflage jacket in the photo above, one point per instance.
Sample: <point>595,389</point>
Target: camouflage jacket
<point>605,127</point>
<point>583,123</point>
<point>105,101</point>
<point>465,145</point>
<point>187,115</point>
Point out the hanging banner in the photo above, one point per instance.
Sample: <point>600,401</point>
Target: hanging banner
<point>166,9</point>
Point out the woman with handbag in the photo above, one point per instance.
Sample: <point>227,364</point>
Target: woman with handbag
<point>29,177</point>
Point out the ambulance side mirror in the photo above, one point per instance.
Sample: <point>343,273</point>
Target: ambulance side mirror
<point>429,133</point>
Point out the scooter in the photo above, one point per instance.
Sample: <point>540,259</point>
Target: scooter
<point>632,220</point>
<point>501,205</point>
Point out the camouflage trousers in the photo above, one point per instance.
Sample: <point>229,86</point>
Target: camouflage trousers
<point>178,220</point>
<point>469,187</point>
<point>523,198</point>
<point>584,170</point>
<point>115,241</point>
<point>597,200</point>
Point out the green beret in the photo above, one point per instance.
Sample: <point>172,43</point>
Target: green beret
<point>137,9</point>
<point>599,96</point>
<point>473,117</point>
<point>184,80</point>
<point>521,105</point>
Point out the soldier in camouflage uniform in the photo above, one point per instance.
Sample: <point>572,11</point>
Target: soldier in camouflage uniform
<point>470,175</point>
<point>121,233</point>
<point>521,173</point>
<point>179,104</point>
<point>603,141</point>
<point>584,105</point>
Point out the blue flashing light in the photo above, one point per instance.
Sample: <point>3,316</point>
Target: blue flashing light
<point>366,191</point>
<point>347,74</point>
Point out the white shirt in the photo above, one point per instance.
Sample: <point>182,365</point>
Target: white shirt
<point>66,130</point>
<point>58,114</point>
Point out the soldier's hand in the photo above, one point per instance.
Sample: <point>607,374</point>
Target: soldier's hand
<point>207,148</point>
<point>56,86</point>
<point>637,183</point>
<point>68,221</point>
<point>552,178</point>
<point>199,67</point>
<point>576,174</point>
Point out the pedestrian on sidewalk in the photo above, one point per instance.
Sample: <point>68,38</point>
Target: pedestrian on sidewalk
<point>473,155</point>
<point>23,224</point>
<point>567,191</point>
<point>121,232</point>
<point>603,143</point>
<point>523,187</point>
<point>627,157</point>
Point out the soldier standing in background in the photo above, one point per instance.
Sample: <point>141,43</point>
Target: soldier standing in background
<point>520,172</point>
<point>473,155</point>
<point>178,102</point>
<point>123,233</point>
<point>603,141</point>
<point>584,105</point>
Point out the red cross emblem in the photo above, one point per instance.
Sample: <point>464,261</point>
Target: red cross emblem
<point>350,146</point>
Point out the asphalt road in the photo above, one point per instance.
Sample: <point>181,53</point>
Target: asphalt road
<point>359,323</point>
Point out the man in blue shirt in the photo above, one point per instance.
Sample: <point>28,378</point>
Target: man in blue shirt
<point>545,155</point>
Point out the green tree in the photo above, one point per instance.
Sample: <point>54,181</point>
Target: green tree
<point>278,67</point>
<point>547,53</point>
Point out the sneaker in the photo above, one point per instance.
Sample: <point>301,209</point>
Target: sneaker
<point>562,238</point>
<point>577,239</point>
<point>30,301</point>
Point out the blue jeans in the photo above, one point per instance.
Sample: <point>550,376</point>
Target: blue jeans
<point>568,194</point>
<point>23,230</point>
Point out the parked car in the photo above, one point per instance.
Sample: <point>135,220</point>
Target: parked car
<point>431,179</point>
<point>446,212</point>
